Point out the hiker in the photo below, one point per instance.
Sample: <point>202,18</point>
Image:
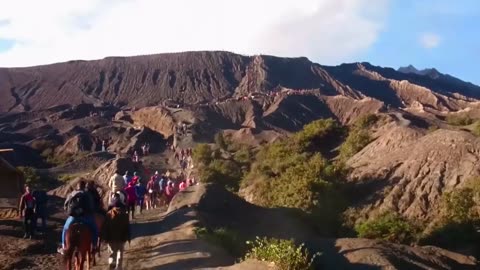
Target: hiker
<point>79,208</point>
<point>41,200</point>
<point>117,183</point>
<point>104,146</point>
<point>170,192</point>
<point>116,232</point>
<point>135,178</point>
<point>144,149</point>
<point>27,211</point>
<point>127,178</point>
<point>183,185</point>
<point>136,158</point>
<point>147,147</point>
<point>152,193</point>
<point>140,192</point>
<point>131,198</point>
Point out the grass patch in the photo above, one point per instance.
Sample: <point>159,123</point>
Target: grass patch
<point>283,253</point>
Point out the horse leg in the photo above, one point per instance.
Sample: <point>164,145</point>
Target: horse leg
<point>121,247</point>
<point>81,259</point>
<point>92,253</point>
<point>68,260</point>
<point>87,254</point>
<point>77,260</point>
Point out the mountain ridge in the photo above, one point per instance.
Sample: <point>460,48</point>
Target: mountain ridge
<point>203,77</point>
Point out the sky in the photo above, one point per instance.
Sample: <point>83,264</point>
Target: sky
<point>443,34</point>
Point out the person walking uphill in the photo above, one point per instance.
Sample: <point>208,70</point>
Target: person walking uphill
<point>131,198</point>
<point>27,211</point>
<point>79,208</point>
<point>116,183</point>
<point>140,191</point>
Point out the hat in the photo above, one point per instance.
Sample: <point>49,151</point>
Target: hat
<point>156,172</point>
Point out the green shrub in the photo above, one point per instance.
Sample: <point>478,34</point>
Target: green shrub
<point>314,132</point>
<point>432,128</point>
<point>459,120</point>
<point>223,237</point>
<point>243,156</point>
<point>459,205</point>
<point>388,226</point>
<point>356,141</point>
<point>476,128</point>
<point>30,175</point>
<point>220,141</point>
<point>458,226</point>
<point>202,154</point>
<point>224,172</point>
<point>283,253</point>
<point>366,121</point>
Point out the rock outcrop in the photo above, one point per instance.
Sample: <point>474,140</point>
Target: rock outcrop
<point>406,170</point>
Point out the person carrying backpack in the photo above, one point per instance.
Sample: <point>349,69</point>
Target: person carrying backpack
<point>79,208</point>
<point>140,191</point>
<point>27,211</point>
<point>41,200</point>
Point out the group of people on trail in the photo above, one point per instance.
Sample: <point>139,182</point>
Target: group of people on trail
<point>33,205</point>
<point>158,187</point>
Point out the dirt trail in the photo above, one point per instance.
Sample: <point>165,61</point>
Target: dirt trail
<point>162,241</point>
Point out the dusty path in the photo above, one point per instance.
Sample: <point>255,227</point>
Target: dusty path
<point>162,241</point>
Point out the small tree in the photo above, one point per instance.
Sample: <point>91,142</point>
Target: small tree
<point>388,226</point>
<point>202,154</point>
<point>30,175</point>
<point>458,205</point>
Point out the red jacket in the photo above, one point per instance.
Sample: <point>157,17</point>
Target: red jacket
<point>131,194</point>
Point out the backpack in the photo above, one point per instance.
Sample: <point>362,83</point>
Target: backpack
<point>163,184</point>
<point>77,205</point>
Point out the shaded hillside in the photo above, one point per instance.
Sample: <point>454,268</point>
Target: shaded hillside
<point>205,77</point>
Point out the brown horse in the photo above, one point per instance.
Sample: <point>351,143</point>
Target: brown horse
<point>116,231</point>
<point>78,242</point>
<point>99,220</point>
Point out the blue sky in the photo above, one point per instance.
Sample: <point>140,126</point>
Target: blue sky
<point>425,33</point>
<point>457,25</point>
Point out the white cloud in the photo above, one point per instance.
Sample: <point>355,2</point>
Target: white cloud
<point>430,40</point>
<point>49,31</point>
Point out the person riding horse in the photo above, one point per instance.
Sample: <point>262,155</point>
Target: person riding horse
<point>80,208</point>
<point>116,230</point>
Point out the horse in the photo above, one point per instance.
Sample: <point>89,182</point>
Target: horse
<point>78,243</point>
<point>116,232</point>
<point>99,220</point>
